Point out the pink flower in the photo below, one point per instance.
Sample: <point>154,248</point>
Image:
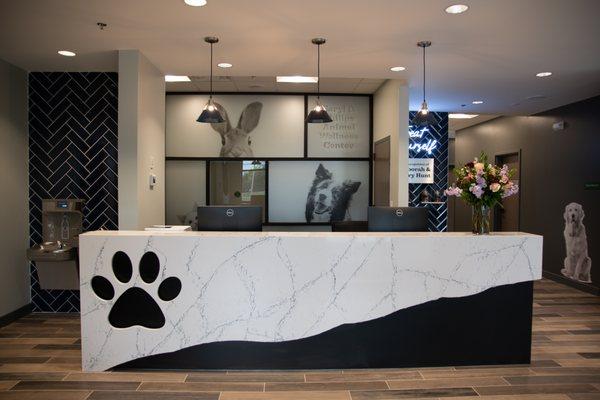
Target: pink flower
<point>495,187</point>
<point>504,179</point>
<point>453,191</point>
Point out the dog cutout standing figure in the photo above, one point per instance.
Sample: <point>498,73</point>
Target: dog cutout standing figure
<point>328,200</point>
<point>236,141</point>
<point>190,218</point>
<point>578,264</point>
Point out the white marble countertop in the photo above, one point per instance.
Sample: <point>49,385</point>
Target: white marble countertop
<point>281,286</point>
<point>301,234</point>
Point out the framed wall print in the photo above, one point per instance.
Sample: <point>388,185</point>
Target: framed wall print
<point>318,191</point>
<point>348,136</point>
<point>256,126</point>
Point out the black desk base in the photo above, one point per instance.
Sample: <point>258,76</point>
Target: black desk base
<point>492,327</point>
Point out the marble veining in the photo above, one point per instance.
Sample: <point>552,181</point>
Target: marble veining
<point>271,287</point>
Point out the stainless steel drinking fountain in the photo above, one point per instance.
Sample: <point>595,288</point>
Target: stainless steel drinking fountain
<point>56,258</point>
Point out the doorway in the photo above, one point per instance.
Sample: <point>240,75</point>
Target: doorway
<point>238,183</point>
<point>508,217</point>
<point>381,172</point>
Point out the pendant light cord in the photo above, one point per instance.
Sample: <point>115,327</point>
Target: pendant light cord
<point>423,73</point>
<point>211,71</point>
<point>318,72</point>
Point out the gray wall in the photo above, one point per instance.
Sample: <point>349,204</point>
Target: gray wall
<point>14,268</point>
<point>554,168</point>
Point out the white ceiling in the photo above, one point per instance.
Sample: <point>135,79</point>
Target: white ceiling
<point>224,83</point>
<point>458,124</point>
<point>491,52</point>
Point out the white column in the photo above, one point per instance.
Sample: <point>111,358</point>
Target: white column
<point>390,118</point>
<point>141,141</point>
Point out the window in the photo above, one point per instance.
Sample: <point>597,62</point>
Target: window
<point>238,183</point>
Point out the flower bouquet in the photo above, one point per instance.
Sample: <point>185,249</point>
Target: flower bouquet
<point>482,185</point>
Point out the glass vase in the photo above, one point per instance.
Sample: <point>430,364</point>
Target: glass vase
<point>480,219</point>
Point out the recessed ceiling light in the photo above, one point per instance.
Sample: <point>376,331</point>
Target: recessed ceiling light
<point>297,79</point>
<point>457,9</point>
<point>461,116</point>
<point>195,3</point>
<point>66,53</point>
<point>543,74</point>
<point>397,69</point>
<point>177,78</point>
<point>224,65</point>
<point>477,101</point>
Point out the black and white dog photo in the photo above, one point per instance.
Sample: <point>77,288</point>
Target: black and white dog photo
<point>329,200</point>
<point>578,265</point>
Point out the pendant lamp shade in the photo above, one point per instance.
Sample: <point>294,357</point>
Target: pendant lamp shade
<point>210,114</point>
<point>423,117</point>
<point>318,115</point>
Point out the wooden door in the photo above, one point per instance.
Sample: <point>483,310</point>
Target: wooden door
<point>381,172</point>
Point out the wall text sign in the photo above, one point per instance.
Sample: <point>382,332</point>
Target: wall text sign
<point>419,140</point>
<point>420,170</point>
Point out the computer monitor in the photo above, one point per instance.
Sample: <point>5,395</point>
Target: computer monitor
<point>230,218</point>
<point>397,219</point>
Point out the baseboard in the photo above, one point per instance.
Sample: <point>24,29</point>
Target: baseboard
<point>584,287</point>
<point>15,315</point>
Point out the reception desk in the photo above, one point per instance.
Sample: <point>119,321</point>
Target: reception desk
<point>267,300</point>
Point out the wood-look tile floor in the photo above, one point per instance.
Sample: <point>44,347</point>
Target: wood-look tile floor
<point>40,358</point>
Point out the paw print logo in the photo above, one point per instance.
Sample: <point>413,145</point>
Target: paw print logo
<point>136,306</point>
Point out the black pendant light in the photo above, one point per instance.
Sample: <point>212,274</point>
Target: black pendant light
<point>318,115</point>
<point>423,116</point>
<point>210,113</point>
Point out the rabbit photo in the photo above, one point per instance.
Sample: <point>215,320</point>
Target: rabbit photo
<point>236,141</point>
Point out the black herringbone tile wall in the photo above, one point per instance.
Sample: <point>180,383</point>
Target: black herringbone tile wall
<point>72,154</point>
<point>438,213</point>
